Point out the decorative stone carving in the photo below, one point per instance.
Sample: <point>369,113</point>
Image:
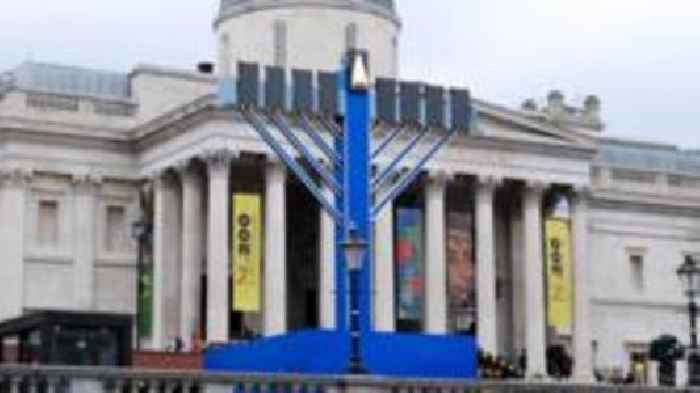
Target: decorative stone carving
<point>439,177</point>
<point>17,176</point>
<point>218,159</point>
<point>86,181</point>
<point>489,182</point>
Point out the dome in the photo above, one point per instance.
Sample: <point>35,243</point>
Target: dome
<point>307,34</point>
<point>229,7</point>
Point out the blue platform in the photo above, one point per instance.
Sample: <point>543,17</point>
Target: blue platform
<point>326,352</point>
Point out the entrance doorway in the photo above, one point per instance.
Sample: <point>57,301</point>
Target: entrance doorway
<point>302,258</point>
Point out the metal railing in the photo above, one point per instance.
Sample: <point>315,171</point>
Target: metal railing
<point>45,379</point>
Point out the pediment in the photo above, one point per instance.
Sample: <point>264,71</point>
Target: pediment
<point>496,124</point>
<point>511,126</point>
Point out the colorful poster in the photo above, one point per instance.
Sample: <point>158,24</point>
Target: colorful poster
<point>461,287</point>
<point>409,264</point>
<point>247,252</point>
<point>559,279</point>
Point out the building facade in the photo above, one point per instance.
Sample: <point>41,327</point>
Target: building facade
<point>85,153</point>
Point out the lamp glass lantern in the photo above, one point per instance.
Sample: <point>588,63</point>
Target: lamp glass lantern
<point>354,249</point>
<point>689,274</point>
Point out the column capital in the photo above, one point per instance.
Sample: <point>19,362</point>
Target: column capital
<point>489,182</point>
<point>182,166</point>
<point>86,181</point>
<point>536,186</point>
<point>219,159</point>
<point>189,175</point>
<point>272,162</point>
<point>16,176</point>
<point>439,177</point>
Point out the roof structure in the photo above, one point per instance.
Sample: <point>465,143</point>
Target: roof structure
<point>80,81</point>
<point>67,80</point>
<point>648,156</point>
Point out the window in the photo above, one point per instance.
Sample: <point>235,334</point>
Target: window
<point>280,44</point>
<point>637,267</point>
<point>47,225</point>
<point>116,228</point>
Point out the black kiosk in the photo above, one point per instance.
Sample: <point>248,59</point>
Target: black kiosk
<point>68,338</point>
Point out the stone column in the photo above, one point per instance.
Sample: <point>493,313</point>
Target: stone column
<point>518,271</point>
<point>486,266</point>
<point>327,267</point>
<point>384,318</point>
<point>652,373</point>
<point>275,277</point>
<point>166,261</point>
<point>435,261</point>
<point>583,352</point>
<point>534,280</point>
<point>13,189</point>
<point>218,250</point>
<point>192,251</point>
<point>86,187</point>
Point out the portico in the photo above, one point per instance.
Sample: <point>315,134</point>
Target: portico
<point>487,175</point>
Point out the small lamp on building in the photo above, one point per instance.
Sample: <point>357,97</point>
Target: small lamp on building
<point>138,229</point>
<point>354,249</point>
<point>139,232</point>
<point>689,274</point>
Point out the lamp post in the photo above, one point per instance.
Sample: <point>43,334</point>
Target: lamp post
<point>139,232</point>
<point>689,274</point>
<point>355,248</point>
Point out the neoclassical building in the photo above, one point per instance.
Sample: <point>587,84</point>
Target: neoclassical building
<point>84,153</point>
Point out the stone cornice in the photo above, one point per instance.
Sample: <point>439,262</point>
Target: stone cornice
<point>614,166</point>
<point>262,5</point>
<point>87,182</point>
<point>18,176</point>
<point>178,120</point>
<point>663,206</point>
<point>168,119</point>
<point>25,125</point>
<point>204,108</point>
<point>172,73</point>
<point>643,303</point>
<point>82,96</point>
<point>514,145</point>
<point>632,198</point>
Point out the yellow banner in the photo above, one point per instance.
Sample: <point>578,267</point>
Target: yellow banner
<point>559,282</point>
<point>246,255</point>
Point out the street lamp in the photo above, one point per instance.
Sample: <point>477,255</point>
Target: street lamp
<point>689,274</point>
<point>354,249</point>
<point>139,232</point>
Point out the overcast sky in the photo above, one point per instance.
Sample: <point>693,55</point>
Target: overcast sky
<point>642,57</point>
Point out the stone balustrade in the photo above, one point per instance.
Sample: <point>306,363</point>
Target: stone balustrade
<point>49,379</point>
